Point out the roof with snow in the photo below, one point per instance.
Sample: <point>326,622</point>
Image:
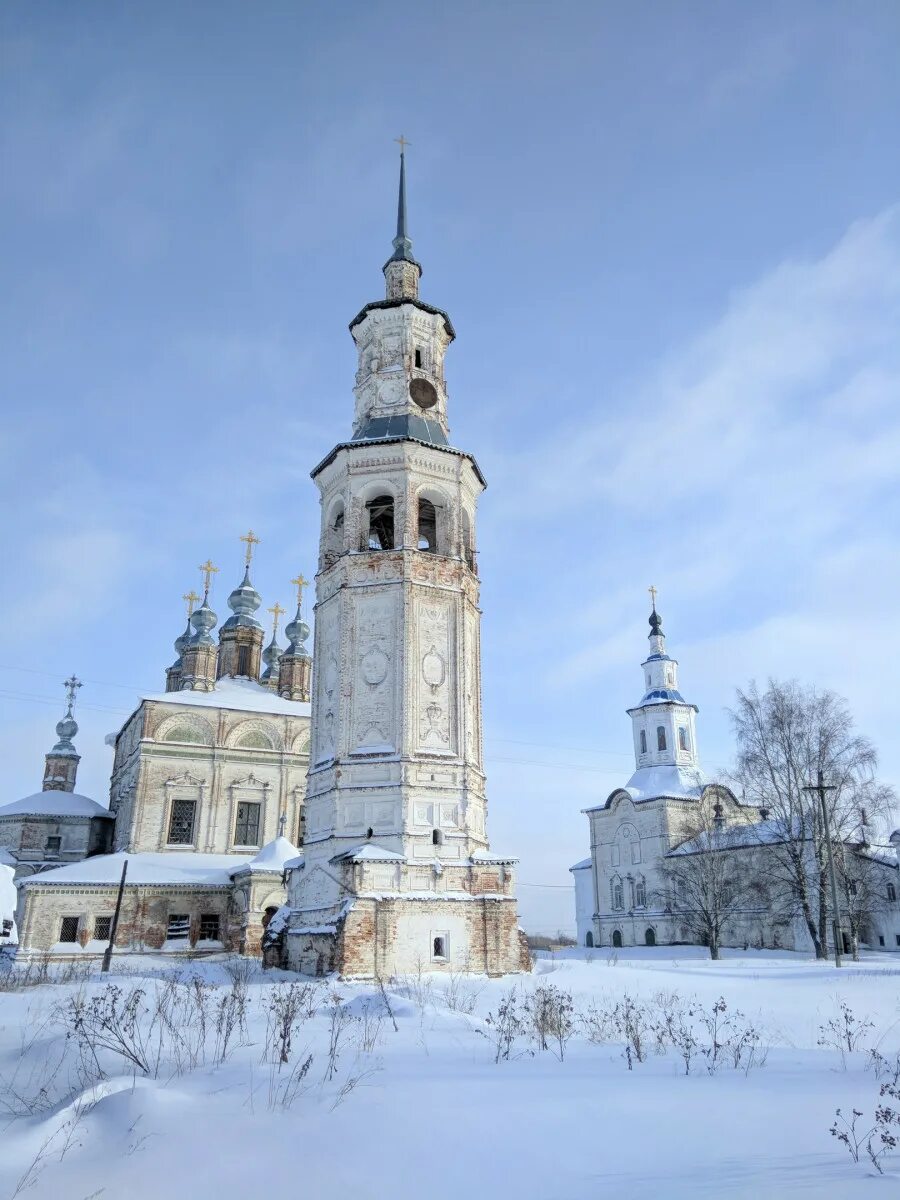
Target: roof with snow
<point>581,866</point>
<point>662,696</point>
<point>273,857</point>
<point>105,870</point>
<point>734,837</point>
<point>654,783</point>
<point>55,804</point>
<point>369,853</point>
<point>244,695</point>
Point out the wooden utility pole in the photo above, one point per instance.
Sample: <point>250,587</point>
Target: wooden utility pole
<point>108,952</point>
<point>820,788</point>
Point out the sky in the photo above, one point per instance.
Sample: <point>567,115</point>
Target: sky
<point>668,236</point>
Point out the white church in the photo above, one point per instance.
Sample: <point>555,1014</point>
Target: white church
<point>622,894</point>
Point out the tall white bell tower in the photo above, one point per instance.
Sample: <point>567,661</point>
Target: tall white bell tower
<point>396,871</point>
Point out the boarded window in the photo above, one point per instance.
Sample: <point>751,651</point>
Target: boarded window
<point>102,928</point>
<point>181,822</point>
<point>380,512</point>
<point>179,927</point>
<point>68,929</point>
<point>246,828</point>
<point>209,927</point>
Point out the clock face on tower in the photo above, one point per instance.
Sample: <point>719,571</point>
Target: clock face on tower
<point>423,393</point>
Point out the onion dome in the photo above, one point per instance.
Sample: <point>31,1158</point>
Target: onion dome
<point>181,643</point>
<point>243,602</point>
<point>271,657</point>
<point>297,631</point>
<point>65,731</point>
<point>204,621</point>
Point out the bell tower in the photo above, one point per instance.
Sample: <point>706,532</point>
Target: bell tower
<point>395,805</point>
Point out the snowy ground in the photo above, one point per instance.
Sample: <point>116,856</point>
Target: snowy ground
<point>426,1109</point>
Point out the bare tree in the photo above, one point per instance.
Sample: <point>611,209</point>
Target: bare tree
<point>785,736</point>
<point>708,879</point>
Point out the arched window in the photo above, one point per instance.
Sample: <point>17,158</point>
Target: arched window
<point>660,737</point>
<point>369,832</point>
<point>437,838</point>
<point>617,939</point>
<point>640,893</point>
<point>650,937</point>
<point>643,741</point>
<point>380,513</point>
<point>683,742</point>
<point>427,526</point>
<point>589,940</point>
<point>618,895</point>
<point>468,548</point>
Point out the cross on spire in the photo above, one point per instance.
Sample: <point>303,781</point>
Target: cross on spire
<point>208,571</point>
<point>71,685</point>
<point>653,594</point>
<point>252,540</point>
<point>191,597</point>
<point>403,143</point>
<point>277,613</point>
<point>299,583</point>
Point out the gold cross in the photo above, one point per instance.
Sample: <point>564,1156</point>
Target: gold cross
<point>252,540</point>
<point>277,612</point>
<point>208,570</point>
<point>653,594</point>
<point>71,685</point>
<point>191,597</point>
<point>299,583</point>
<point>403,142</point>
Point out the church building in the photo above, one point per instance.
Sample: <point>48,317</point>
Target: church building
<point>624,890</point>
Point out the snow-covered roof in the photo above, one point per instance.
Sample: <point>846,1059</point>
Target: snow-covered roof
<point>480,857</point>
<point>660,696</point>
<point>211,870</point>
<point>245,695</point>
<point>652,783</point>
<point>581,866</point>
<point>55,804</point>
<point>273,857</point>
<point>369,853</point>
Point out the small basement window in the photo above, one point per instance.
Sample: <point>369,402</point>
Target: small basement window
<point>68,929</point>
<point>209,927</point>
<point>179,927</point>
<point>102,928</point>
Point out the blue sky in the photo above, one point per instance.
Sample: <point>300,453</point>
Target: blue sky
<point>668,235</point>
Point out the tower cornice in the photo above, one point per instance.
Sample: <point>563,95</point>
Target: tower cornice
<point>398,303</point>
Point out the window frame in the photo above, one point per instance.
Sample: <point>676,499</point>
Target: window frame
<point>208,919</point>
<point>238,841</point>
<point>190,840</point>
<point>97,935</point>
<point>182,919</point>
<point>64,927</point>
<point>442,936</point>
<point>661,740</point>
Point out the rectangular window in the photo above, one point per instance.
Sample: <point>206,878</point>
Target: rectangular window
<point>897,938</point>
<point>102,928</point>
<point>209,927</point>
<point>181,823</point>
<point>179,927</point>
<point>880,939</point>
<point>892,893</point>
<point>53,845</point>
<point>614,855</point>
<point>246,827</point>
<point>68,930</point>
<point>243,662</point>
<point>440,943</point>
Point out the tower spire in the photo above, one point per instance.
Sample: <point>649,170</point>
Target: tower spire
<point>401,271</point>
<point>61,764</point>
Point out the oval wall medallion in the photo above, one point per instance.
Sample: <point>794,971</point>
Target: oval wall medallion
<point>374,664</point>
<point>433,669</point>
